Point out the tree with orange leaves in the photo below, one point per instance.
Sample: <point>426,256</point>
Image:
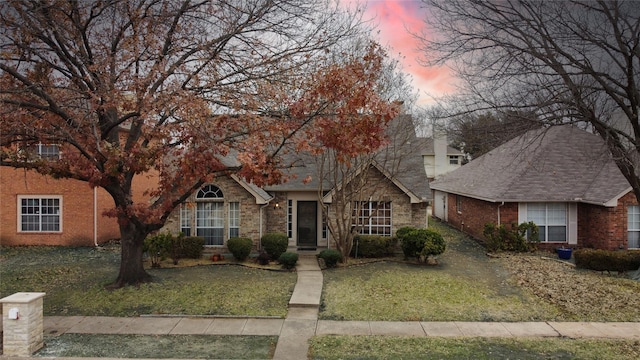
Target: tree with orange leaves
<point>175,88</point>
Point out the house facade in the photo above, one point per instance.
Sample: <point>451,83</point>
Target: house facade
<point>396,194</point>
<point>439,158</point>
<point>562,178</point>
<point>39,210</point>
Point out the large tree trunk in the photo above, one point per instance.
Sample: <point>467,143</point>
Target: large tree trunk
<point>131,266</point>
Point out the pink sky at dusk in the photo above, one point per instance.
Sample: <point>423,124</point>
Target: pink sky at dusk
<point>396,20</point>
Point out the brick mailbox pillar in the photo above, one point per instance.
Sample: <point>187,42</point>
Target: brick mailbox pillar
<point>22,323</point>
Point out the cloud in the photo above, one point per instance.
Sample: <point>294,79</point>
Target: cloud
<point>397,21</point>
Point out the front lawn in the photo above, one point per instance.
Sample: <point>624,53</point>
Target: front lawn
<point>388,347</point>
<point>75,278</point>
<point>468,285</point>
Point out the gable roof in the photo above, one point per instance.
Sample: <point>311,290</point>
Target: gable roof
<point>401,161</point>
<point>561,164</point>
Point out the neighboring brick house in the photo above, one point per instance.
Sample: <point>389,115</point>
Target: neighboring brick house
<point>561,178</point>
<point>39,210</point>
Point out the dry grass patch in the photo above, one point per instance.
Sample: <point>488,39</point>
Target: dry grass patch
<point>581,295</point>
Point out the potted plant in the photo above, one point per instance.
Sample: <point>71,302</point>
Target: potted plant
<point>564,253</point>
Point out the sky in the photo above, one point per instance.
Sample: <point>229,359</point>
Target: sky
<point>396,20</point>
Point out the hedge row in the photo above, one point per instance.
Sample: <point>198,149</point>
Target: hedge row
<point>607,260</point>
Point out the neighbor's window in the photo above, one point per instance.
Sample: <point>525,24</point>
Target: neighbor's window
<point>459,204</point>
<point>40,214</point>
<point>551,219</point>
<point>633,227</point>
<point>372,217</point>
<point>45,151</point>
<point>454,159</point>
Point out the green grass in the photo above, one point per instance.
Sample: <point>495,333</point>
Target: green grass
<point>401,292</point>
<point>377,347</point>
<point>163,346</point>
<point>75,278</point>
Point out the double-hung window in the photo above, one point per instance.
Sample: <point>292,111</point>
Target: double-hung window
<point>551,219</point>
<point>206,217</point>
<point>40,214</point>
<point>372,217</point>
<point>633,227</point>
<point>234,219</point>
<point>186,219</point>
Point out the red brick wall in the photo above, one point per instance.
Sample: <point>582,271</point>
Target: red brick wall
<point>598,227</point>
<point>77,210</point>
<point>474,214</point>
<point>604,227</point>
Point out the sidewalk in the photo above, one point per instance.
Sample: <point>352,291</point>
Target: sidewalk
<point>302,323</point>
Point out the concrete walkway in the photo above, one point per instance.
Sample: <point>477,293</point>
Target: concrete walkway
<point>302,323</point>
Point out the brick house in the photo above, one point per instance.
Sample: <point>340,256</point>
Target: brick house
<point>561,178</point>
<point>39,210</point>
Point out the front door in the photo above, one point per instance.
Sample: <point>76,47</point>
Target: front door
<point>307,223</point>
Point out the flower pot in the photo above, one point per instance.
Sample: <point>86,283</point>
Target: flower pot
<point>564,254</point>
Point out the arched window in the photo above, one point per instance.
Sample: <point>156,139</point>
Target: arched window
<point>209,216</point>
<point>209,192</point>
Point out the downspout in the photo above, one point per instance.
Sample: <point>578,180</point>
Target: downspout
<point>95,216</point>
<point>500,205</point>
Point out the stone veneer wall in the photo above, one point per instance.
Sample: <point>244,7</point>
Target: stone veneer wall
<point>232,192</point>
<point>24,336</point>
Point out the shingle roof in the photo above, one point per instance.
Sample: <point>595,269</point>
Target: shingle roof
<point>561,163</point>
<point>402,159</point>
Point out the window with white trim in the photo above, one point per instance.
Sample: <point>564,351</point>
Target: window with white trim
<point>210,215</point>
<point>633,227</point>
<point>551,219</point>
<point>372,217</point>
<point>186,218</point>
<point>454,159</point>
<point>40,214</point>
<point>44,151</point>
<point>234,219</point>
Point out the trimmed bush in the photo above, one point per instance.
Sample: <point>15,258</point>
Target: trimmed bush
<point>288,260</point>
<point>607,260</point>
<point>263,258</point>
<point>419,243</point>
<point>191,247</point>
<point>519,238</point>
<point>373,246</point>
<point>331,257</point>
<point>240,247</point>
<point>274,244</point>
<point>158,247</point>
<point>435,245</point>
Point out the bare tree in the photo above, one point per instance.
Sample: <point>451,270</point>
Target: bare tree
<point>477,134</point>
<point>565,61</point>
<point>172,88</point>
<point>358,188</point>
